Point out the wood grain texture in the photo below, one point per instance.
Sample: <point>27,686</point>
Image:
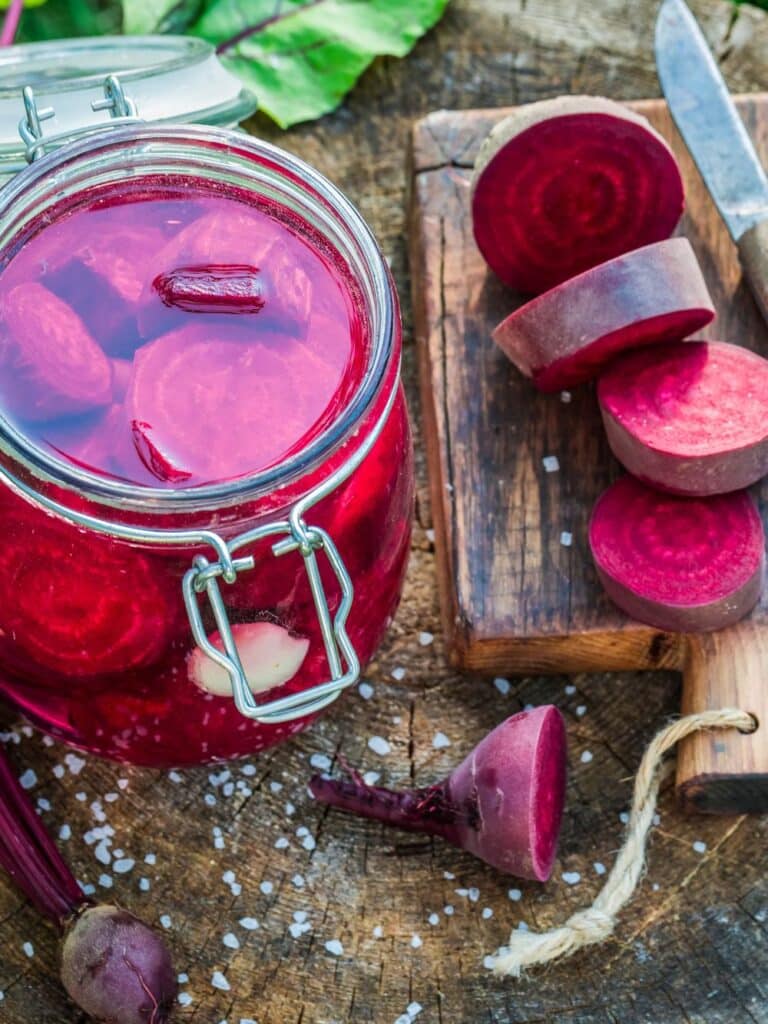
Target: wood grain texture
<point>753,255</point>
<point>690,949</point>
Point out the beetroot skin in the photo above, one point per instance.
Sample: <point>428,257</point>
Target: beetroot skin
<point>565,184</point>
<point>690,419</point>
<point>680,564</point>
<point>504,802</point>
<point>567,335</point>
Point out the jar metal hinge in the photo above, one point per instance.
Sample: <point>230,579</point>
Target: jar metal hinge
<point>122,110</point>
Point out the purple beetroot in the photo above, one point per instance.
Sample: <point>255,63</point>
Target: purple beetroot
<point>116,968</point>
<point>680,564</point>
<point>503,803</point>
<point>690,419</point>
<point>566,336</point>
<point>565,184</point>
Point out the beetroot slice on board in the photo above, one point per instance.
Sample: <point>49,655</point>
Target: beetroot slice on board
<point>51,366</point>
<point>680,564</point>
<point>567,335</point>
<point>564,184</point>
<point>64,601</point>
<point>205,405</point>
<point>690,419</point>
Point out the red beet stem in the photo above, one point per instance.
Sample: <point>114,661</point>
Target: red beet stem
<point>11,22</point>
<point>30,856</point>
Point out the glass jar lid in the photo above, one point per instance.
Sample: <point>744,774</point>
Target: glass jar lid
<point>53,92</point>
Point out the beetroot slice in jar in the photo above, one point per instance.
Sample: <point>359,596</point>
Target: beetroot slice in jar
<point>63,599</point>
<point>564,184</point>
<point>690,419</point>
<point>205,405</point>
<point>232,288</point>
<point>565,336</point>
<point>51,366</point>
<point>680,564</point>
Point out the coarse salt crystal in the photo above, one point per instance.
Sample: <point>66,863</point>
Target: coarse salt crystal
<point>308,842</point>
<point>565,396</point>
<point>426,638</point>
<point>551,463</point>
<point>298,881</point>
<point>101,852</point>
<point>275,787</point>
<point>144,884</point>
<point>299,928</point>
<point>184,998</point>
<point>150,858</point>
<point>448,910</point>
<point>58,771</point>
<point>624,817</point>
<point>434,919</point>
<point>416,941</point>
<point>502,685</point>
<point>489,962</point>
<point>440,740</point>
<point>267,888</point>
<point>65,832</point>
<point>28,779</point>
<point>379,745</point>
<point>165,920</point>
<point>378,932</point>
<point>219,981</point>
<point>515,894</point>
<point>448,876</point>
<point>249,923</point>
<point>566,538</point>
<point>111,797</point>
<point>371,778</point>
<point>334,947</point>
<point>290,809</point>
<point>175,777</point>
<point>581,710</point>
<point>586,756</point>
<point>569,690</point>
<point>321,762</point>
<point>182,978</point>
<point>231,941</point>
<point>699,846</point>
<point>74,763</point>
<point>571,877</point>
<point>281,843</point>
<point>398,674</point>
<point>29,949</point>
<point>600,869</point>
<point>365,690</point>
<point>473,894</point>
<point>487,912</point>
<point>124,865</point>
<point>105,881</point>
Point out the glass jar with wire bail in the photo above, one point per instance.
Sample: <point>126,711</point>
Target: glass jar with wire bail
<point>206,475</point>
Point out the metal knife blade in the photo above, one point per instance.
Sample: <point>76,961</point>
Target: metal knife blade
<point>706,118</point>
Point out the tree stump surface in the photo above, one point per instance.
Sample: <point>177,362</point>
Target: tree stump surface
<point>691,947</point>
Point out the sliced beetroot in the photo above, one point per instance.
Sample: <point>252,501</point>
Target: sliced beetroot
<point>122,370</point>
<point>232,288</point>
<point>691,419</point>
<point>204,405</point>
<point>270,656</point>
<point>503,803</point>
<point>564,184</point>
<point>680,564</point>
<point>565,336</point>
<point>51,366</point>
<point>63,602</point>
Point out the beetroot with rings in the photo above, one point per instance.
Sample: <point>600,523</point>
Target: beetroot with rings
<point>231,288</point>
<point>690,419</point>
<point>648,296</point>
<point>503,803</point>
<point>680,564</point>
<point>564,184</point>
<point>51,366</point>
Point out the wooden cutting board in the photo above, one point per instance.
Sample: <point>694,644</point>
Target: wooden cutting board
<point>518,590</point>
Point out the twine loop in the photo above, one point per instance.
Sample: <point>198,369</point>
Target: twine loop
<point>596,923</point>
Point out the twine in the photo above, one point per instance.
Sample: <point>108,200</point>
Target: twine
<point>596,923</point>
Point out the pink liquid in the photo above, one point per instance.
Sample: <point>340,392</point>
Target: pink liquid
<point>173,340</point>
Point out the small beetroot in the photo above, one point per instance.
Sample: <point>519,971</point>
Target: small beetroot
<point>503,803</point>
<point>690,419</point>
<point>566,183</point>
<point>680,564</point>
<point>567,335</point>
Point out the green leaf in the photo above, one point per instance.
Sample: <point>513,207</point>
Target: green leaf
<point>143,17</point>
<point>301,57</point>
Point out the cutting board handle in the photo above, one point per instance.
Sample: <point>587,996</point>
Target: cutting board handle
<point>726,772</point>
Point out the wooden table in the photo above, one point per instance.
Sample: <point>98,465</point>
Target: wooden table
<point>690,948</point>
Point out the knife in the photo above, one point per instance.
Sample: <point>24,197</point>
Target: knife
<point>706,117</point>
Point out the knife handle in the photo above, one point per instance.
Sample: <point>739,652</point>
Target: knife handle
<point>753,254</point>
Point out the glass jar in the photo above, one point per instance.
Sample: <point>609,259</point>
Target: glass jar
<point>120,603</point>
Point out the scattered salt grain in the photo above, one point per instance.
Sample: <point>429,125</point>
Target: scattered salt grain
<point>102,854</point>
<point>522,927</point>
<point>298,881</point>
<point>489,962</point>
<point>321,762</point>
<point>371,778</point>
<point>299,928</point>
<point>581,710</point>
<point>440,741</point>
<point>473,894</point>
<point>144,884</point>
<point>565,396</point>
<point>122,783</point>
<point>502,685</point>
<point>334,947</point>
<point>365,690</point>
<point>308,842</point>
<point>398,674</point>
<point>231,941</point>
<point>434,920</point>
<point>416,941</point>
<point>184,999</point>
<point>448,910</point>
<point>275,787</point>
<point>624,817</point>
<point>105,881</point>
<point>182,979</point>
<point>65,832</point>
<point>551,463</point>
<point>515,894</point>
<point>426,638</point>
<point>111,797</point>
<point>175,777</point>
<point>699,846</point>
<point>123,866</point>
<point>29,949</point>
<point>58,771</point>
<point>81,797</point>
<point>43,804</point>
<point>571,877</point>
<point>396,719</point>
<point>28,779</point>
<point>267,888</point>
<point>281,843</point>
<point>249,923</point>
<point>290,809</point>
<point>586,756</point>
<point>165,921</point>
<point>566,538</point>
<point>569,690</point>
<point>487,913</point>
<point>600,869</point>
<point>244,1020</point>
<point>88,890</point>
<point>219,981</point>
<point>151,858</point>
<point>210,800</point>
<point>448,876</point>
<point>378,932</point>
<point>379,745</point>
<point>74,763</point>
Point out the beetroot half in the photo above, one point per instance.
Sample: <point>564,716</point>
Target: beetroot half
<point>680,564</point>
<point>504,802</point>
<point>564,184</point>
<point>567,335</point>
<point>690,419</point>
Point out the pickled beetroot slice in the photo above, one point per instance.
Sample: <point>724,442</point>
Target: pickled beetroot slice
<point>213,289</point>
<point>564,184</point>
<point>206,406</point>
<point>567,335</point>
<point>51,366</point>
<point>680,564</point>
<point>269,654</point>
<point>63,599</point>
<point>691,419</point>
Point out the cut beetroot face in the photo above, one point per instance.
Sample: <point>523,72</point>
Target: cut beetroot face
<point>200,398</point>
<point>61,600</point>
<point>213,289</point>
<point>565,184</point>
<point>269,654</point>
<point>51,366</point>
<point>691,419</point>
<point>567,335</point>
<point>680,564</point>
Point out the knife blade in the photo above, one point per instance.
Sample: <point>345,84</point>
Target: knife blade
<point>706,117</point>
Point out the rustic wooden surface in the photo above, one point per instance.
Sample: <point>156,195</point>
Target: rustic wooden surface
<point>513,597</point>
<point>692,946</point>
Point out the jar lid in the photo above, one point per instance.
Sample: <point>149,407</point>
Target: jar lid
<point>53,92</point>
